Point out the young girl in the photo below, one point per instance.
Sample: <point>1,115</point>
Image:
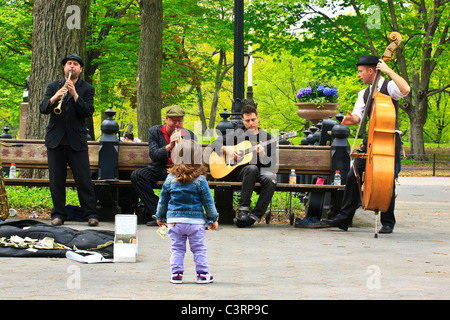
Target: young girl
<point>183,196</point>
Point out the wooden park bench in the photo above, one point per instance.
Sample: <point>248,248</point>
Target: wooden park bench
<point>32,154</point>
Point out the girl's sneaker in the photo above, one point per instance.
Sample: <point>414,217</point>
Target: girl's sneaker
<point>176,278</point>
<point>204,278</point>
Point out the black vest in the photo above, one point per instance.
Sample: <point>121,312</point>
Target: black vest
<point>383,90</point>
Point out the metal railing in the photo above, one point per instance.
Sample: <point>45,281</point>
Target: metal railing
<point>434,162</point>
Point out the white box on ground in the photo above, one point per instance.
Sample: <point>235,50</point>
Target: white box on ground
<point>125,238</point>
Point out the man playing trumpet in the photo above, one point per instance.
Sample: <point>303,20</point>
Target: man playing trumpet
<point>66,139</point>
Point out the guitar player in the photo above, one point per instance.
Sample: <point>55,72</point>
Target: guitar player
<point>261,168</point>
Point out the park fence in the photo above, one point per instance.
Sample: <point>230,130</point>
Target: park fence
<point>437,164</point>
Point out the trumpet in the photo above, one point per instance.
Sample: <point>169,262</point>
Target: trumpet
<point>58,110</point>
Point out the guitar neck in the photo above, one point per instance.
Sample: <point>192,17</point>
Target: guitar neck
<point>265,143</point>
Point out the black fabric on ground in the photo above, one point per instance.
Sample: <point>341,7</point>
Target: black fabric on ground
<point>82,239</point>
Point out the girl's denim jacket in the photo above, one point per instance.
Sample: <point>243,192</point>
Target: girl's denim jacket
<point>184,202</point>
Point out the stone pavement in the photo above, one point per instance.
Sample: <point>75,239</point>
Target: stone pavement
<point>269,262</point>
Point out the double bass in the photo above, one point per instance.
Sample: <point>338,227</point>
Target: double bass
<point>378,177</point>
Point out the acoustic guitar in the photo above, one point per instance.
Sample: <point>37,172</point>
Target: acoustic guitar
<point>221,166</point>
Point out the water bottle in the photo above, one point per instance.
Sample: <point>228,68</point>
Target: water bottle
<point>337,178</point>
<point>12,171</point>
<point>292,177</point>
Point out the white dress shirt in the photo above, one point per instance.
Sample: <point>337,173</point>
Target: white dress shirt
<point>393,91</point>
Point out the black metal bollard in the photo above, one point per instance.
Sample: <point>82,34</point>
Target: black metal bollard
<point>326,137</point>
<point>310,137</point>
<point>225,124</point>
<point>340,149</point>
<point>6,135</point>
<point>223,195</point>
<point>108,153</point>
<point>108,158</point>
<point>340,160</point>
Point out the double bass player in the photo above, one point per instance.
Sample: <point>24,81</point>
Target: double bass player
<point>396,88</point>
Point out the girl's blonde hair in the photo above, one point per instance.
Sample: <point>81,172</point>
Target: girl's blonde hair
<point>187,161</point>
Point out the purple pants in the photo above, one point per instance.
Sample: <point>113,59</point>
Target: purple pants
<point>179,233</point>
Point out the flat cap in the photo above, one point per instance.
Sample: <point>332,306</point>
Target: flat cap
<point>73,56</point>
<point>368,60</point>
<point>175,111</point>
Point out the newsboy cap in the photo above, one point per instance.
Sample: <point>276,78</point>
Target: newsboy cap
<point>175,111</point>
<point>368,60</point>
<point>73,56</point>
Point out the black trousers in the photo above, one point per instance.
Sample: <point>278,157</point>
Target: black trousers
<point>249,175</point>
<point>351,197</point>
<point>78,161</point>
<point>143,181</point>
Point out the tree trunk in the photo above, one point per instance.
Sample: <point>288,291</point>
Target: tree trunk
<point>201,111</point>
<point>221,71</point>
<point>149,101</point>
<point>411,107</point>
<point>56,34</point>
<point>420,80</point>
<point>417,122</point>
<point>59,28</point>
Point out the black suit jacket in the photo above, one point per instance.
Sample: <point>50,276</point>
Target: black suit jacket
<point>71,121</point>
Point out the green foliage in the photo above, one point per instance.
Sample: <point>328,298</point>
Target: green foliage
<point>281,202</point>
<point>36,198</point>
<point>39,198</point>
<point>16,21</point>
<point>292,42</point>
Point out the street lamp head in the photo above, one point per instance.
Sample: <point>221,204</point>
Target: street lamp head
<point>246,59</point>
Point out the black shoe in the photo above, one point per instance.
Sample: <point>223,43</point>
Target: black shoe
<point>243,223</point>
<point>243,220</point>
<point>57,222</point>
<point>93,222</point>
<point>242,215</point>
<point>386,229</point>
<point>255,217</point>
<point>336,223</point>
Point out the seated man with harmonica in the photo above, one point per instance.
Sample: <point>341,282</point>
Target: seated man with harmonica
<point>161,141</point>
<point>249,164</point>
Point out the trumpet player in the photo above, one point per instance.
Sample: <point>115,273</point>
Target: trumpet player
<point>66,139</point>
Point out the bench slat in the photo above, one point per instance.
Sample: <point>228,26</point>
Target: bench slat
<point>212,184</point>
<point>312,160</point>
<point>131,156</point>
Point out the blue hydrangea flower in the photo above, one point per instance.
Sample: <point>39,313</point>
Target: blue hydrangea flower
<point>317,92</point>
<point>328,91</point>
<point>308,90</point>
<point>300,93</point>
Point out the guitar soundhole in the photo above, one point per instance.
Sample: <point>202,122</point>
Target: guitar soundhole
<point>231,162</point>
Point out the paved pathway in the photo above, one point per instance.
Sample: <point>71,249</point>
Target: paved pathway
<point>270,262</point>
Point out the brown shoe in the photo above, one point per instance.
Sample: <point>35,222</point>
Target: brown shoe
<point>57,222</point>
<point>93,222</point>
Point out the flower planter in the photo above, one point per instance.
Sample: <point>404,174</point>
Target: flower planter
<point>314,112</point>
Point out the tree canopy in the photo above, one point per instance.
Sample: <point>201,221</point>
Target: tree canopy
<point>293,42</point>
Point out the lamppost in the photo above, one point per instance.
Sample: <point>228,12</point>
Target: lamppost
<point>240,62</point>
<point>250,78</point>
